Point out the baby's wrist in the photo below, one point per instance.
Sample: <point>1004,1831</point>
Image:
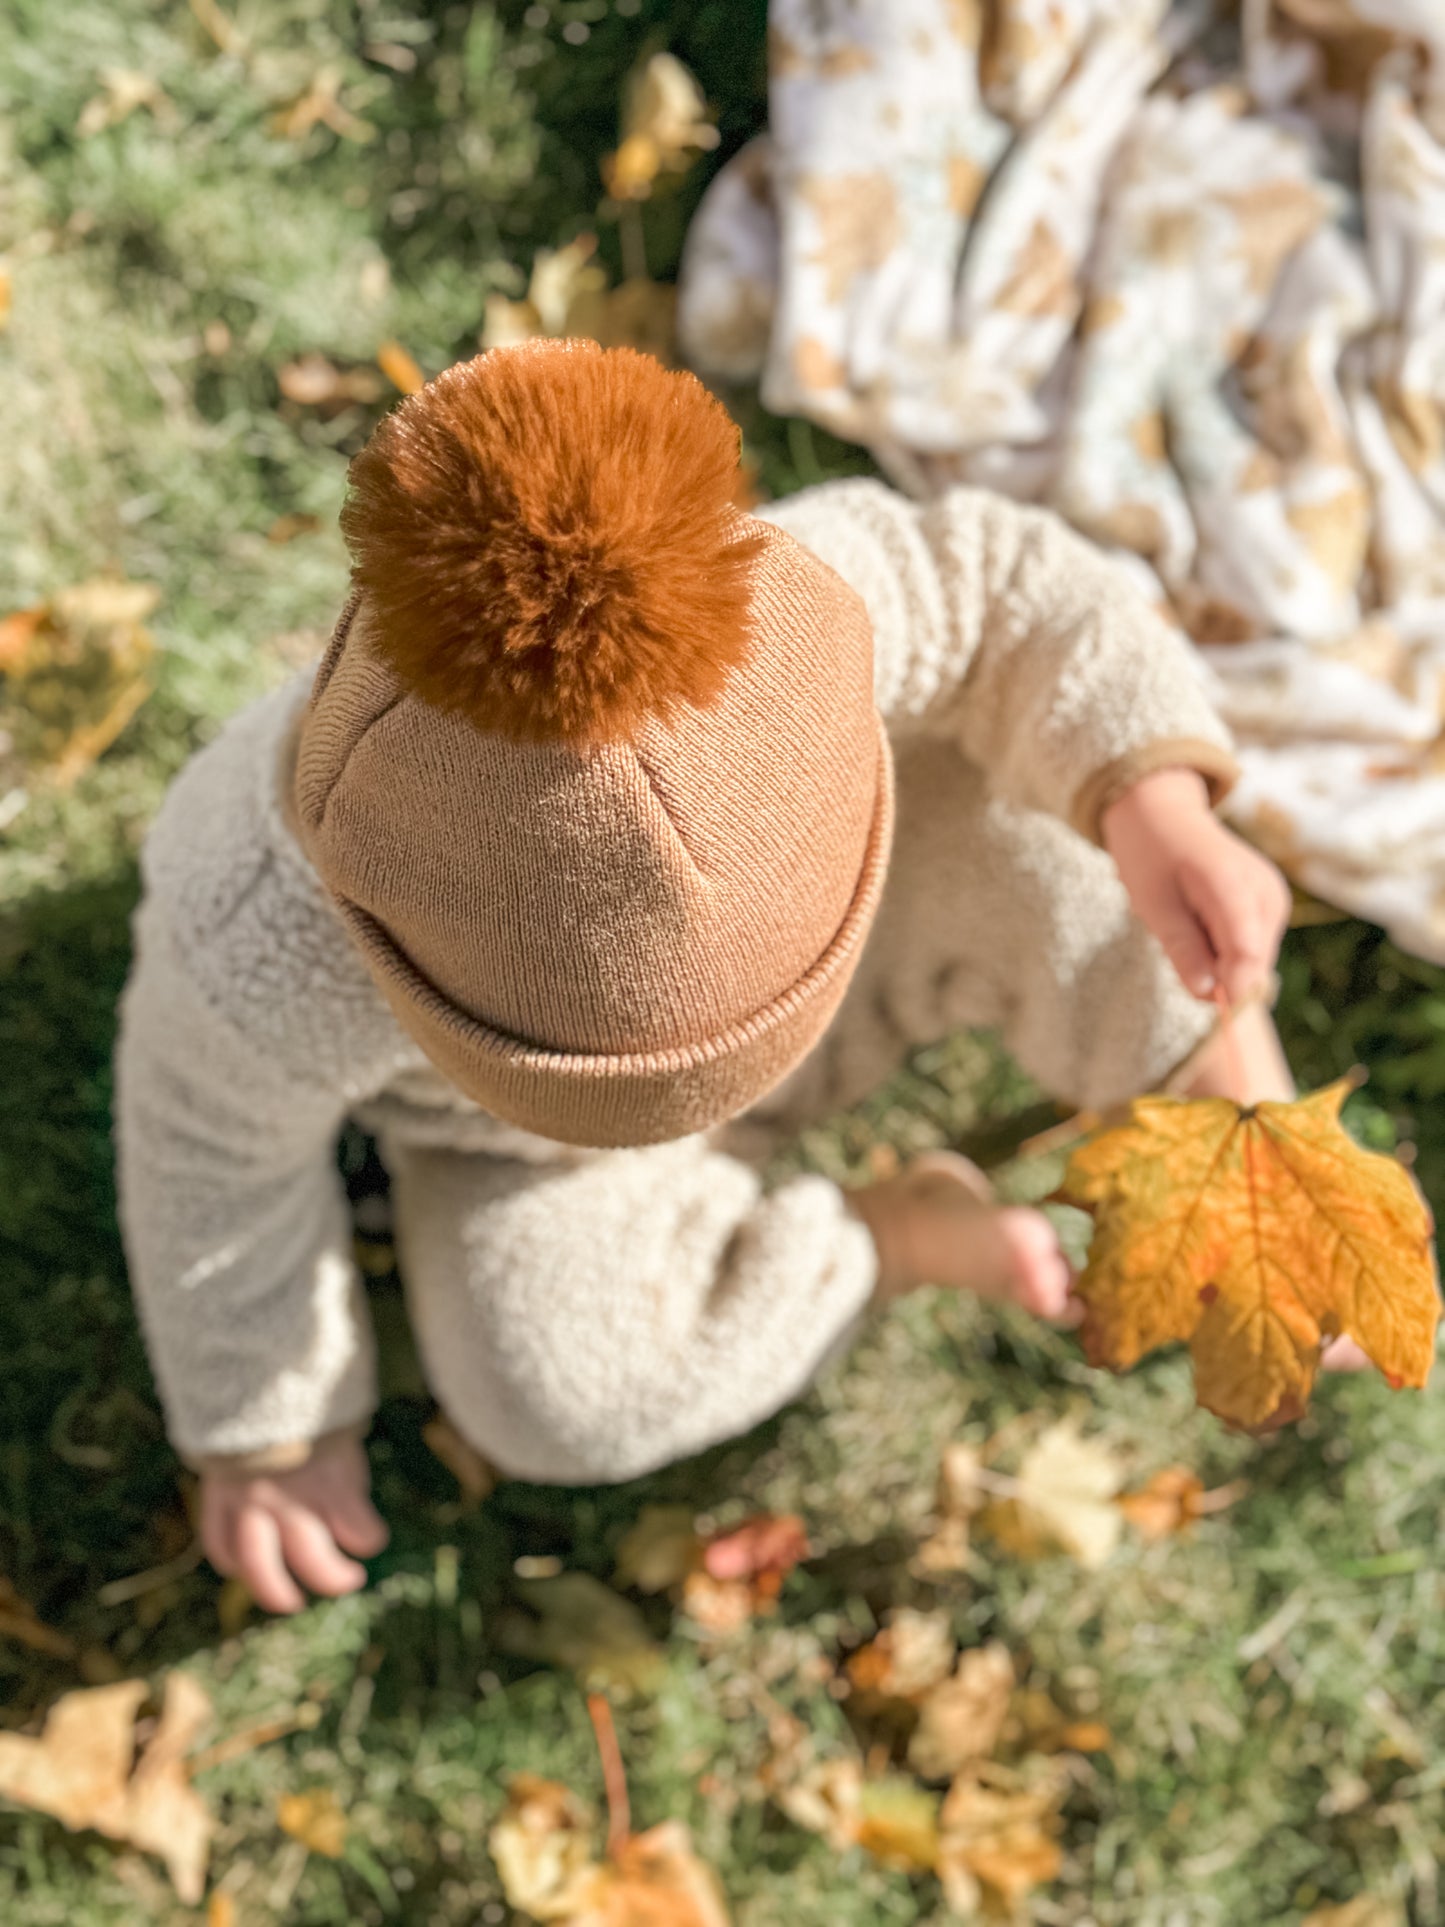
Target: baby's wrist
<point>272,1461</point>
<point>1169,793</point>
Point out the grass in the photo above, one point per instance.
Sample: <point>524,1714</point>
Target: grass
<point>1275,1686</point>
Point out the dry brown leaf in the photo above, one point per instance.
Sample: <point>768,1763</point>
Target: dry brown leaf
<point>1062,1499</point>
<point>739,1574</point>
<point>1256,1235</point>
<point>73,671</point>
<point>314,381</point>
<point>124,89</point>
<point>898,1824</point>
<point>1036,1725</point>
<point>80,1771</point>
<point>542,1846</point>
<point>665,123</point>
<point>400,369</point>
<point>577,1622</point>
<point>960,1720</point>
<point>286,528</point>
<point>1173,1500</point>
<point>825,1797</point>
<point>19,1620</point>
<point>655,1881</point>
<point>568,294</point>
<point>995,1846</point>
<point>659,1550</point>
<point>316,1819</point>
<point>911,1657</point>
<point>321,106</point>
<point>960,1496</point>
<point>769,1543</point>
<point>1366,1910</point>
<point>167,1816</point>
<point>475,1474</point>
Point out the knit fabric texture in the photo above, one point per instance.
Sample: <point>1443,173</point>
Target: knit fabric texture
<point>628,942</point>
<point>595,1312</point>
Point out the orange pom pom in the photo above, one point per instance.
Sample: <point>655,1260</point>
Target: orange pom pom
<point>547,542</point>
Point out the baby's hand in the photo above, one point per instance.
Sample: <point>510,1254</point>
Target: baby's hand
<point>263,1530</point>
<point>1217,906</point>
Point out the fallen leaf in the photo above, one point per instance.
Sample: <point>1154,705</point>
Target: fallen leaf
<point>995,1846</point>
<point>768,1543</point>
<point>167,1816</point>
<point>286,528</point>
<point>1366,1910</point>
<point>655,1881</point>
<point>80,1771</point>
<point>911,1656</point>
<point>721,1608</point>
<point>124,90</point>
<point>19,1620</point>
<point>321,106</point>
<point>584,1626</point>
<point>542,1846</point>
<point>73,671</point>
<point>659,1550</point>
<point>399,368</point>
<point>825,1798</point>
<point>1256,1235</point>
<point>560,278</point>
<point>313,381</point>
<point>960,1719</point>
<point>1173,1500</point>
<point>315,1819</point>
<point>475,1474</point>
<point>1062,1500</point>
<point>739,1574</point>
<point>1036,1725</point>
<point>665,123</point>
<point>898,1824</point>
<point>960,1495</point>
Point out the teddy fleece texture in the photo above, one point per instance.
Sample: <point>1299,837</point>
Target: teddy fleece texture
<point>588,1315</point>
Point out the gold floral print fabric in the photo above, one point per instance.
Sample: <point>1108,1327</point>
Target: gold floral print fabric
<point>1182,280</point>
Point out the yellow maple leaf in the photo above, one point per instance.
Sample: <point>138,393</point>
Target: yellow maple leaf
<point>1256,1234</point>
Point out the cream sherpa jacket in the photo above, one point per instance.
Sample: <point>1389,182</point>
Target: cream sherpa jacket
<point>250,1028</point>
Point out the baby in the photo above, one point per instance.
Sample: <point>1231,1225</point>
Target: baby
<point>619,833</point>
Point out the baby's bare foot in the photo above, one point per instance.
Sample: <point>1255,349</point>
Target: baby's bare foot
<point>1013,1254</point>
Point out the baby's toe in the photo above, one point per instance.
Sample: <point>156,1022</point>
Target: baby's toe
<point>1042,1278</point>
<point>1344,1355</point>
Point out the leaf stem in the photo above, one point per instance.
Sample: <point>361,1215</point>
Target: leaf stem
<point>614,1775</point>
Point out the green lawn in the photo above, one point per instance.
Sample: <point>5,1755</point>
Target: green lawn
<point>1275,1685</point>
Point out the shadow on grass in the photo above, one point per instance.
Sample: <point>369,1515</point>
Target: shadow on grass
<point>90,1492</point>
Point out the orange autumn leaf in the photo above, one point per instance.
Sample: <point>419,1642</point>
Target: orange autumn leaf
<point>767,1543</point>
<point>1255,1234</point>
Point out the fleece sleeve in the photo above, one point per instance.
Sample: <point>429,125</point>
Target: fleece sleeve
<point>235,1223</point>
<point>996,624</point>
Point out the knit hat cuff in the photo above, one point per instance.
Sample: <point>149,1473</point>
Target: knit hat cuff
<point>646,1097</point>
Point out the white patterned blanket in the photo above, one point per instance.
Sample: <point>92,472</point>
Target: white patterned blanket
<point>1185,282</point>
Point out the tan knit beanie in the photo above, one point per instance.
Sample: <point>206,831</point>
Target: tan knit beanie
<point>592,767</point>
